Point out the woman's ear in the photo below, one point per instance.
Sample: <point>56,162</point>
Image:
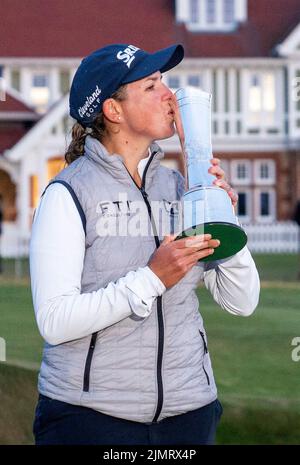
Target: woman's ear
<point>112,110</point>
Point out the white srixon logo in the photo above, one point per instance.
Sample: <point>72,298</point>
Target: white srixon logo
<point>127,55</point>
<point>90,100</point>
<point>2,350</point>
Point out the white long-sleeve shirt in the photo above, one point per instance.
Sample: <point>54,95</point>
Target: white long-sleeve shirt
<point>57,250</point>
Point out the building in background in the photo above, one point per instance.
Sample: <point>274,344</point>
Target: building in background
<point>246,52</point>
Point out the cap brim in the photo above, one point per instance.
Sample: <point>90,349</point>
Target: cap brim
<point>162,61</point>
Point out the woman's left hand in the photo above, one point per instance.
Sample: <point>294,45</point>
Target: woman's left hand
<point>217,171</point>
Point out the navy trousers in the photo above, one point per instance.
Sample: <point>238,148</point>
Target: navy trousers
<point>58,422</point>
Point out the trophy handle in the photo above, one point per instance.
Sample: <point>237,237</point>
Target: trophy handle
<point>180,133</point>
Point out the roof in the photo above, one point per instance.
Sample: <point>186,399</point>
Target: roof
<point>14,103</point>
<point>40,130</point>
<point>10,135</point>
<point>15,119</point>
<point>60,29</point>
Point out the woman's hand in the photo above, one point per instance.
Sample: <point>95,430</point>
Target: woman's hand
<point>217,171</point>
<point>173,259</point>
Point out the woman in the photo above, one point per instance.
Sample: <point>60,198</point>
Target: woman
<point>125,359</point>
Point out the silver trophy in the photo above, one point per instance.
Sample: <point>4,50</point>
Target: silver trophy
<point>206,207</point>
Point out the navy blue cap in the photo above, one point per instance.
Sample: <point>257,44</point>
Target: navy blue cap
<point>102,72</point>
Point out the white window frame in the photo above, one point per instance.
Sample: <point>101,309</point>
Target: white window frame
<point>183,14</point>
<point>248,217</point>
<point>272,172</point>
<point>234,172</point>
<point>272,216</point>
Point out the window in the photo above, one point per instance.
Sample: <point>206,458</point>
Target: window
<point>194,80</point>
<point>261,104</point>
<point>40,80</point>
<point>2,86</point>
<point>194,13</point>
<point>54,166</point>
<point>211,11</point>
<point>264,172</point>
<point>296,96</point>
<point>244,205</point>
<point>265,205</point>
<point>241,172</point>
<point>173,82</point>
<point>2,89</point>
<point>15,79</point>
<point>228,11</point>
<point>64,82</point>
<point>211,15</point>
<point>34,190</point>
<point>242,210</point>
<point>39,93</point>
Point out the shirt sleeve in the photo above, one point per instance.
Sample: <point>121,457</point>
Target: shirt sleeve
<point>57,250</point>
<point>234,283</point>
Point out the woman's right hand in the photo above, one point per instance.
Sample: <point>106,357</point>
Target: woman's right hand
<point>174,259</point>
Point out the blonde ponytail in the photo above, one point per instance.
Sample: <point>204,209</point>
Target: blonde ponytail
<point>76,147</point>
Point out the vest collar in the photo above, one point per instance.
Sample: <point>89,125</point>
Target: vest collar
<point>114,163</point>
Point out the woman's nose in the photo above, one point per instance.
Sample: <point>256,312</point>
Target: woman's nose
<point>167,93</point>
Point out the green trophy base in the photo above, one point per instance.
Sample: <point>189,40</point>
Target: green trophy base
<point>232,238</point>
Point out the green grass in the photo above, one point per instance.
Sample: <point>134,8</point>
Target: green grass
<point>278,267</point>
<point>258,383</point>
<point>18,395</point>
<point>18,326</point>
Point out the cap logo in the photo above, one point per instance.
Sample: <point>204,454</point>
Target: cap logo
<point>127,55</point>
<point>90,99</point>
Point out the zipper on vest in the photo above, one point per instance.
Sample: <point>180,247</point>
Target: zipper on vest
<point>205,352</point>
<point>87,369</point>
<point>160,319</point>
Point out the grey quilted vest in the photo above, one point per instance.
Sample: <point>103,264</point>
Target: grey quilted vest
<point>140,369</point>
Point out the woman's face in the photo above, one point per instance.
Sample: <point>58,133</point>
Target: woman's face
<point>147,109</point>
